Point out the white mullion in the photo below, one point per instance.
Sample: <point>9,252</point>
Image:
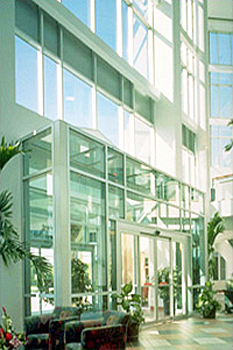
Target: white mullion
<point>119,46</point>
<point>92,15</point>
<point>130,36</point>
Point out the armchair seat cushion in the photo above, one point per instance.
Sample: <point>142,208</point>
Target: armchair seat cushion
<point>73,346</point>
<point>37,341</point>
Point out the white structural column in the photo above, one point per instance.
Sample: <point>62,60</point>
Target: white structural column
<point>177,88</point>
<point>62,279</point>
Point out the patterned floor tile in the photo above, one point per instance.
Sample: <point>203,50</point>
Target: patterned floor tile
<point>209,340</point>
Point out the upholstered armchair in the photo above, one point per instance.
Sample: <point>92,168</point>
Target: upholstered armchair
<point>107,333</point>
<point>47,331</point>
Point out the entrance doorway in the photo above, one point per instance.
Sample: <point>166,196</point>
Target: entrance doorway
<point>156,266</point>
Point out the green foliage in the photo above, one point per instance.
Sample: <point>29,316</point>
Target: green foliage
<point>131,303</point>
<point>229,284</point>
<point>163,282</point>
<point>11,248</point>
<point>81,282</point>
<point>229,146</point>
<point>206,302</point>
<point>214,227</point>
<point>8,151</point>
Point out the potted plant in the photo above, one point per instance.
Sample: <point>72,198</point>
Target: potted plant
<point>163,288</point>
<point>206,304</point>
<point>132,304</point>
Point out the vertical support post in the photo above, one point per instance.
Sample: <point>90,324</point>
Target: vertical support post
<point>62,268</point>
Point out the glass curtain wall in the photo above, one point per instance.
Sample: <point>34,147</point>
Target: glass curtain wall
<point>106,185</point>
<point>57,85</point>
<point>39,215</point>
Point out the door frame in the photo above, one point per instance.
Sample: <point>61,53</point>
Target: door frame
<point>124,226</point>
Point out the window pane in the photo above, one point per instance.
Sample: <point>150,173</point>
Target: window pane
<point>115,202</point>
<point>38,152</point>
<point>108,78</point>
<point>140,177</point>
<point>50,89</point>
<point>80,9</point>
<point>140,209</point>
<point>127,258</point>
<point>51,34</point>
<point>224,46</point>
<point>214,101</point>
<point>128,93</point>
<point>107,118</point>
<point>128,133</point>
<point>142,6</point>
<point>125,31</point>
<point>115,166</point>
<point>27,19</point>
<point>226,101</point>
<point>86,154</point>
<point>40,230</point>
<point>167,188</point>
<point>77,54</point>
<point>106,21</point>
<point>143,141</point>
<point>143,105</point>
<point>77,101</point>
<point>26,75</point>
<point>213,48</point>
<point>88,236</point>
<point>140,34</point>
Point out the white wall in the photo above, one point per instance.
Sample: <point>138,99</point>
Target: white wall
<point>11,278</point>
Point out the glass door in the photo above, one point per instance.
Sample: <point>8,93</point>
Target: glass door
<point>164,278</point>
<point>147,274</point>
<point>179,277</point>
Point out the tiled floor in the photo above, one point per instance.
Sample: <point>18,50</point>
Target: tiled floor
<point>193,334</point>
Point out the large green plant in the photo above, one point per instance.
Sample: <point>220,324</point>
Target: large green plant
<point>163,281</point>
<point>214,227</point>
<point>11,248</point>
<point>206,304</point>
<point>131,303</point>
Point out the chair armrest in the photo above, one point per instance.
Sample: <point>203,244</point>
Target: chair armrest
<point>104,337</point>
<point>37,324</point>
<point>56,332</point>
<point>73,329</point>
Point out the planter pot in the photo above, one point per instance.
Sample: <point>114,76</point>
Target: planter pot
<point>133,332</point>
<point>166,305</point>
<point>211,314</point>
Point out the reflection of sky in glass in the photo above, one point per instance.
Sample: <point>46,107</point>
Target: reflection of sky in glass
<point>106,21</point>
<point>50,88</point>
<point>214,101</point>
<point>225,78</point>
<point>107,118</point>
<point>140,33</point>
<point>77,101</point>
<point>125,30</point>
<point>80,8</point>
<point>213,48</point>
<point>224,47</point>
<point>226,157</point>
<point>26,83</point>
<point>225,102</point>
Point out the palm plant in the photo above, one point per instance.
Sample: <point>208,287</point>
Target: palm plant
<point>214,227</point>
<point>11,248</point>
<point>229,146</point>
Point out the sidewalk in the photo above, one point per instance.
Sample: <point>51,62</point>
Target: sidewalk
<point>193,333</point>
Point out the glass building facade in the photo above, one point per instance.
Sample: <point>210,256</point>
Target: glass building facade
<point>109,99</point>
<point>114,206</point>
